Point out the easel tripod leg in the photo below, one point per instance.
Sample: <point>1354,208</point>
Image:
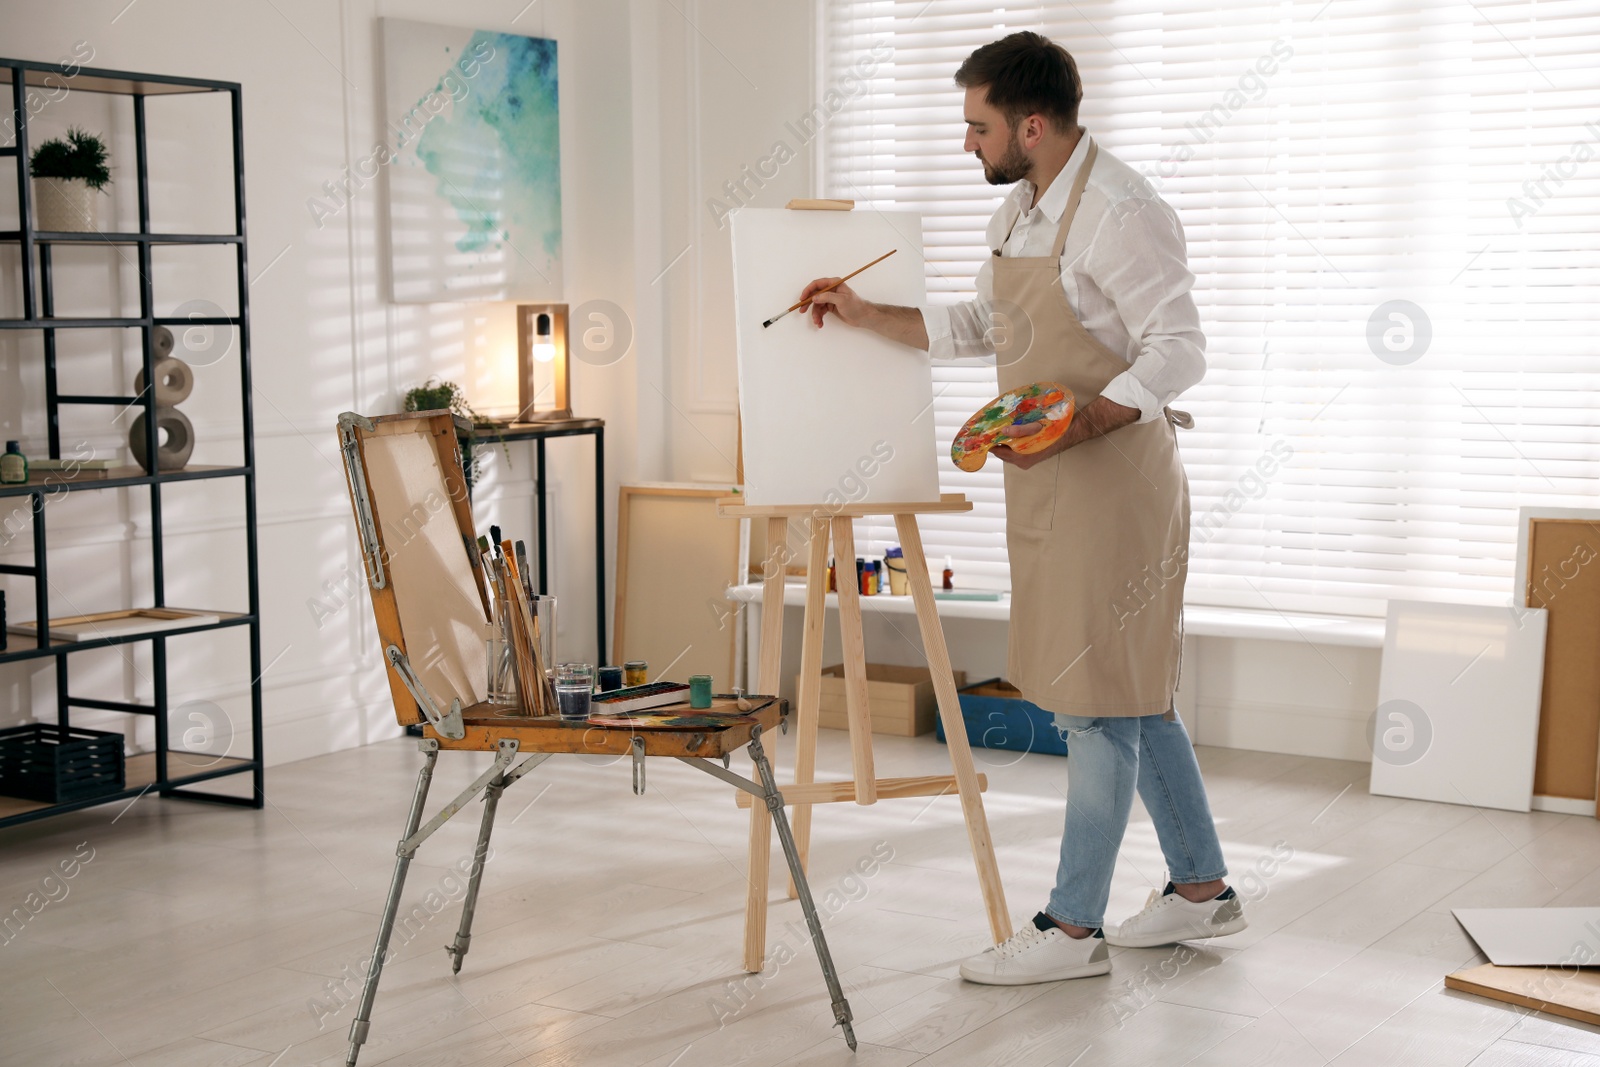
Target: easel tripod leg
<point>767,683</point>
<point>480,856</point>
<point>380,948</point>
<point>805,744</point>
<point>774,799</point>
<point>955,729</point>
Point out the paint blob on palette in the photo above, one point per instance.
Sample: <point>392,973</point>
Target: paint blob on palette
<point>1049,403</point>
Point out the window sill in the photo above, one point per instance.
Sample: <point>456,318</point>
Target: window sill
<point>1199,620</point>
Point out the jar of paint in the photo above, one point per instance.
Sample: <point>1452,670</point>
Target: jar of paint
<point>635,672</point>
<point>894,561</point>
<point>699,690</point>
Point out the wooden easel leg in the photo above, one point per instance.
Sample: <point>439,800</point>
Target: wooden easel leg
<point>767,684</point>
<point>955,728</point>
<point>805,744</point>
<point>855,661</point>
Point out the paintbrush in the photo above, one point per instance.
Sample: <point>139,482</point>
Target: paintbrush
<point>538,638</point>
<point>497,586</point>
<point>829,289</point>
<point>522,568</point>
<point>529,676</point>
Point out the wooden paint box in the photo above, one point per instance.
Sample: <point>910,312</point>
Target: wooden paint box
<point>900,700</point>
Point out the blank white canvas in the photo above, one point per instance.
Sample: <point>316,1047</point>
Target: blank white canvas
<point>823,408</point>
<point>1475,672</point>
<point>1534,937</point>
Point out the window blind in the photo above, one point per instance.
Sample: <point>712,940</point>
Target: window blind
<point>1390,211</point>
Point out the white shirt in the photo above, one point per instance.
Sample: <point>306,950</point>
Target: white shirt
<point>1124,270</point>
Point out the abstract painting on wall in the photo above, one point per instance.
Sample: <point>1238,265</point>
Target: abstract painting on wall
<point>472,149</point>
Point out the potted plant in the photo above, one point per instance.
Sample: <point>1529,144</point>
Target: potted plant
<point>66,176</point>
<point>436,395</point>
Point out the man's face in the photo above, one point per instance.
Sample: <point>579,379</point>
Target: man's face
<point>991,138</point>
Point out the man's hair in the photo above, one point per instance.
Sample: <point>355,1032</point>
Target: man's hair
<point>1025,74</point>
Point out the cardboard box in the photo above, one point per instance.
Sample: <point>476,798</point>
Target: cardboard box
<point>998,717</point>
<point>900,700</point>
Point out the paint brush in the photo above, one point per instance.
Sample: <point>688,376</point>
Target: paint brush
<point>803,303</point>
<point>522,568</point>
<point>529,676</point>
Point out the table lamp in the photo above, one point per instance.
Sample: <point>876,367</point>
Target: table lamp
<point>542,363</point>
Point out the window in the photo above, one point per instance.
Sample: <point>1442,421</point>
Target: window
<point>1390,211</point>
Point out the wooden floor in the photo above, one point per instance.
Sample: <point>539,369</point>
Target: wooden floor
<point>609,928</point>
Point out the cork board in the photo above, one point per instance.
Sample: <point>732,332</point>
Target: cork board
<point>1560,572</point>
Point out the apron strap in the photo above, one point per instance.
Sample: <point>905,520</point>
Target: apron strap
<point>1067,213</point>
<point>1072,202</point>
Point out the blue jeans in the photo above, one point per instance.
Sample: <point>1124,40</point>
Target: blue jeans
<point>1105,758</point>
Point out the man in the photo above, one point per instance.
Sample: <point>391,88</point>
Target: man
<point>1088,286</point>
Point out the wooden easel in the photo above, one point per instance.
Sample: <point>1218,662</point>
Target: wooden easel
<point>866,787</point>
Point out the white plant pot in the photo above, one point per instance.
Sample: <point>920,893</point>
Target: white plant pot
<point>64,205</point>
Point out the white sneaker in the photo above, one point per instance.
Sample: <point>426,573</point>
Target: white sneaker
<point>1039,952</point>
<point>1168,918</point>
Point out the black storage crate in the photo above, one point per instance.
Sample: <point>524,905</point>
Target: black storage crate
<point>56,764</point>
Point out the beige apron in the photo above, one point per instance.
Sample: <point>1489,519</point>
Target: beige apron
<point>1098,534</point>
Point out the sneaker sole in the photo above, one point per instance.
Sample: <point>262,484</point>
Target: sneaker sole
<point>1233,926</point>
<point>1088,970</point>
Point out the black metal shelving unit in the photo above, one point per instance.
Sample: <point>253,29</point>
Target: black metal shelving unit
<point>169,773</point>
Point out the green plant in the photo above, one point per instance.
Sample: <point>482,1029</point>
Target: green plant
<point>81,155</point>
<point>436,395</point>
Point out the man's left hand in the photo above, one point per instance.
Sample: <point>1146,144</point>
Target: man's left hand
<point>1099,418</point>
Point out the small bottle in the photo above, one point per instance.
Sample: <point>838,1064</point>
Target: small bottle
<point>949,574</point>
<point>894,566</point>
<point>700,691</point>
<point>13,465</point>
<point>833,579</point>
<point>636,672</point>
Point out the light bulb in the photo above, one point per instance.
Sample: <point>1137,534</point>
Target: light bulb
<point>544,349</point>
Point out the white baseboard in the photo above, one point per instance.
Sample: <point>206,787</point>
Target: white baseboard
<point>1327,733</point>
<point>1564,805</point>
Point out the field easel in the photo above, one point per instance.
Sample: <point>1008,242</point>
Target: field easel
<point>823,521</point>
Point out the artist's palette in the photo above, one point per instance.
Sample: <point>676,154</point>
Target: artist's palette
<point>1048,402</point>
<point>670,720</point>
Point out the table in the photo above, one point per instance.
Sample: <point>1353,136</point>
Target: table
<point>539,432</point>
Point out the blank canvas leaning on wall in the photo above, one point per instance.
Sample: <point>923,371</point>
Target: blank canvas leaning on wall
<point>676,558</point>
<point>836,414</point>
<point>1458,704</point>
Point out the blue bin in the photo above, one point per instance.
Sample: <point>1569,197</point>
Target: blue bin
<point>998,717</point>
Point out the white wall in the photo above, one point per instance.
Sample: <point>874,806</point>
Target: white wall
<point>325,340</point>
<point>728,76</point>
